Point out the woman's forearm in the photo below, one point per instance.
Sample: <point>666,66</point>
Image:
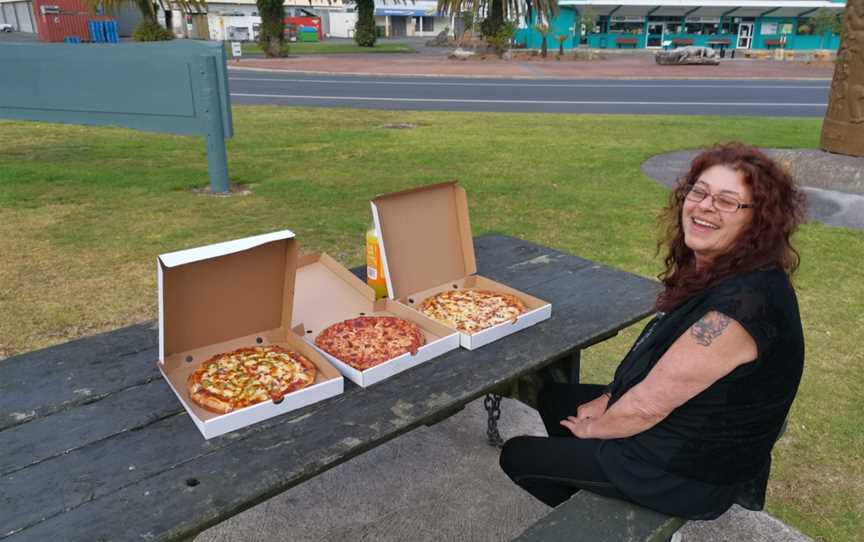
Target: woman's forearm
<point>627,417</point>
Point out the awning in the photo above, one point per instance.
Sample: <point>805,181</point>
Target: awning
<point>703,8</point>
<point>404,12</point>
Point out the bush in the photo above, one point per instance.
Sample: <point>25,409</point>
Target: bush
<point>151,31</point>
<point>364,30</point>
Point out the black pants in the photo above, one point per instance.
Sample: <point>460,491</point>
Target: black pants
<point>553,468</point>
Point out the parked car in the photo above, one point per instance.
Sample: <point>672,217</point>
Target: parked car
<point>6,27</point>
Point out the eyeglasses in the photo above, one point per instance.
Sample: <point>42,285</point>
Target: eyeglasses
<point>722,202</point>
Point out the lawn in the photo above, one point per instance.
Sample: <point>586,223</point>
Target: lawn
<point>84,212</point>
<point>332,47</point>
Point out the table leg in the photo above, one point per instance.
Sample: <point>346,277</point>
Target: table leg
<point>492,402</point>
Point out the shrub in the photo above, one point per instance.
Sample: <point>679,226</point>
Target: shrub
<point>151,31</point>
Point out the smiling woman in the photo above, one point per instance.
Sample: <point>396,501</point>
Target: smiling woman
<point>688,423</point>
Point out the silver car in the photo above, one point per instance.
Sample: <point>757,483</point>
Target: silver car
<point>6,27</point>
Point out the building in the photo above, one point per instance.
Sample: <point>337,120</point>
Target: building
<point>733,24</point>
<point>18,13</point>
<point>418,18</point>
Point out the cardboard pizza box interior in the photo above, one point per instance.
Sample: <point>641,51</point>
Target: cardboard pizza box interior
<point>327,293</point>
<point>221,297</point>
<point>427,247</point>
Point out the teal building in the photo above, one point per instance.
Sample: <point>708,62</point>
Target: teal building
<point>724,24</point>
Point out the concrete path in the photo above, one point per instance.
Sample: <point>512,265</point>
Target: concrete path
<point>624,64</point>
<point>435,484</point>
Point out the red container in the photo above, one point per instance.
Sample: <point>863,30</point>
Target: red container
<point>314,22</point>
<point>59,19</point>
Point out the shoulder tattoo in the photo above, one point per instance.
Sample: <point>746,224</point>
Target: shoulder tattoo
<point>709,327</point>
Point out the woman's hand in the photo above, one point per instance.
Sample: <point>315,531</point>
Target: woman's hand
<point>593,409</point>
<point>578,426</point>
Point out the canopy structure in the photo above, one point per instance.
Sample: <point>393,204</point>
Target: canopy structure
<point>704,8</point>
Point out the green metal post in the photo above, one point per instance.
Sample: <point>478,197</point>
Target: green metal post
<point>217,159</point>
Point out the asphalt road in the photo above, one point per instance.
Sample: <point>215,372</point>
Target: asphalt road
<point>682,97</point>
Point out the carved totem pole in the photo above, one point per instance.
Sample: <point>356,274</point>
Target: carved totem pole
<point>843,128</point>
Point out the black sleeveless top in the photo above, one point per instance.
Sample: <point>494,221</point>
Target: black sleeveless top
<point>714,450</point>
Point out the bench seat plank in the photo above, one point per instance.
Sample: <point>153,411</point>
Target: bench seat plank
<point>587,517</point>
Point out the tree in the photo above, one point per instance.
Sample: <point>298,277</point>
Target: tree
<point>364,30</point>
<point>499,11</point>
<point>272,35</point>
<point>148,29</point>
<point>544,30</point>
<point>824,21</point>
<point>561,39</point>
<point>843,127</point>
<point>588,16</point>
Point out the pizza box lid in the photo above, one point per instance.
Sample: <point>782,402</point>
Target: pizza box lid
<point>425,237</point>
<point>224,291</point>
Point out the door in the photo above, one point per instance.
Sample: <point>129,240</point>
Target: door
<point>745,35</point>
<point>398,27</point>
<point>655,35</point>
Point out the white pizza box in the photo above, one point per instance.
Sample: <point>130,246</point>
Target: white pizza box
<point>427,248</point>
<point>221,297</point>
<point>327,293</point>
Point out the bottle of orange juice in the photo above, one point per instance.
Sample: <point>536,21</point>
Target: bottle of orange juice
<point>374,267</point>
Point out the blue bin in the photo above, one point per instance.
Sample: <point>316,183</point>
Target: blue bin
<point>97,31</point>
<point>111,32</point>
<point>71,39</point>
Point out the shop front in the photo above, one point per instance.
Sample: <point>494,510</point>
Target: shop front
<point>724,24</point>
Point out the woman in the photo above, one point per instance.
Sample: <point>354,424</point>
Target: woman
<point>687,425</point>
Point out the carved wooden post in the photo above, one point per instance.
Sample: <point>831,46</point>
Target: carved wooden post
<point>843,128</point>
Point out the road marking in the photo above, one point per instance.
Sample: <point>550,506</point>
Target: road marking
<point>544,102</point>
<point>551,85</point>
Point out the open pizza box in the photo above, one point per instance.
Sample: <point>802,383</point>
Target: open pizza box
<point>327,293</point>
<point>221,297</point>
<point>427,248</point>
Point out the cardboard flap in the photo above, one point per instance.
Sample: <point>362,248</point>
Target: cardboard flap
<point>220,292</point>
<point>425,237</point>
<point>327,293</point>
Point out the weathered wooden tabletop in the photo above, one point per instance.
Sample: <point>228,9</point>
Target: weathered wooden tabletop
<point>95,446</point>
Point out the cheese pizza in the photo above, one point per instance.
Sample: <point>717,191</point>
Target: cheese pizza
<point>247,376</point>
<point>367,341</point>
<point>470,311</point>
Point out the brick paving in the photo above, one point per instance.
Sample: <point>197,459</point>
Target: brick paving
<point>638,65</point>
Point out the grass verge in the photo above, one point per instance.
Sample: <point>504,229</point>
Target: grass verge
<point>84,211</point>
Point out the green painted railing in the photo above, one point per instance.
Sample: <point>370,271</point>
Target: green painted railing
<point>178,87</point>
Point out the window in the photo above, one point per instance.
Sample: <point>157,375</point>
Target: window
<point>625,28</point>
<point>424,24</point>
<point>702,28</point>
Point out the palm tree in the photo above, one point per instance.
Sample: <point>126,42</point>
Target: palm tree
<point>499,11</point>
<point>148,12</point>
<point>843,127</point>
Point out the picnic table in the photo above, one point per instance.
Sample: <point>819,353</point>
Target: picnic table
<point>95,446</point>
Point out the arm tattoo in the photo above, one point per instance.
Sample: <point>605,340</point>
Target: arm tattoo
<point>709,327</point>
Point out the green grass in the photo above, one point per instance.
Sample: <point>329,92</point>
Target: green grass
<point>84,212</point>
<point>330,47</point>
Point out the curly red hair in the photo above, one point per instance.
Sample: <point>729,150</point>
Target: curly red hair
<point>766,243</point>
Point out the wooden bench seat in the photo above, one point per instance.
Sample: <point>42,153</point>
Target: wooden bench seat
<point>682,42</point>
<point>626,41</point>
<point>587,517</point>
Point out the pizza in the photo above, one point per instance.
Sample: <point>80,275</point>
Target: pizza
<point>248,376</point>
<point>471,311</point>
<point>367,341</point>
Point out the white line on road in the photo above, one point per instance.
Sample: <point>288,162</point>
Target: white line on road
<point>545,102</point>
<point>553,85</point>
